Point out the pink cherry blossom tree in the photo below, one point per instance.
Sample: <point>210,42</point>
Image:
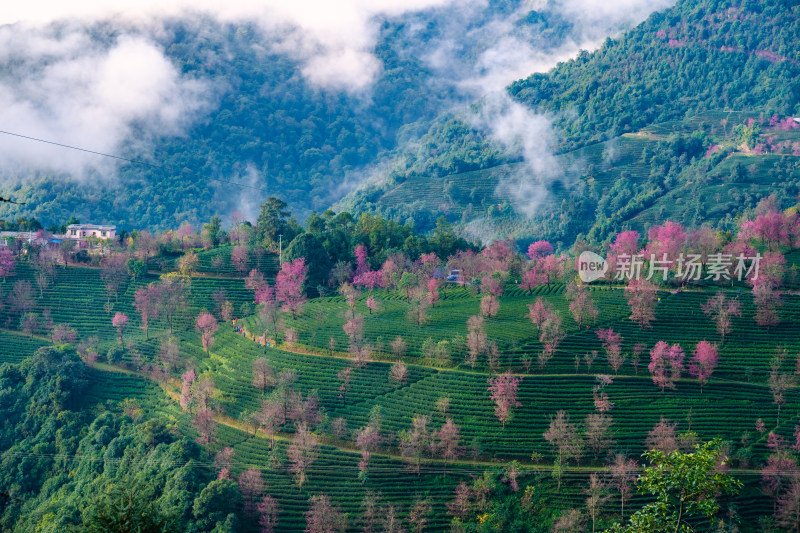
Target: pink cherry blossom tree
<point>269,418</point>
<point>666,364</point>
<point>552,268</point>
<point>264,294</point>
<point>113,272</point>
<point>207,325</point>
<point>398,373</point>
<point>251,485</point>
<point>642,297</point>
<point>626,244</point>
<point>146,300</point>
<point>368,438</point>
<point>623,477</point>
<point>289,286</point>
<point>223,461</point>
<point>172,293</point>
<point>704,362</point>
<point>601,401</point>
<point>302,452</point>
<point>390,274</point>
<point>770,228</point>
<point>21,298</point>
<point>417,440</point>
<point>323,517</point>
<point>370,280</point>
<point>538,312</point>
<point>433,285</point>
<point>722,310</point>
<point>662,437</point>
<point>497,257</point>
<point>667,239</point>
<point>551,333</point>
<point>580,304</point>
<point>539,249</point>
<point>254,280</point>
<point>447,442</point>
<point>268,510</point>
<point>371,303</point>
<point>263,375</point>
<point>239,258</point>
<point>765,285</point>
<point>203,422</point>
<point>476,339</point>
<point>7,263</point>
<point>187,380</point>
<point>120,321</point>
<point>362,260</point>
<point>490,305</point>
<point>504,389</point>
<point>63,334</point>
<point>564,437</point>
<point>203,393</point>
<point>612,344</point>
<point>530,278</point>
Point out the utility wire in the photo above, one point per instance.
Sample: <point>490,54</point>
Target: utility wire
<point>120,158</point>
<point>427,467</point>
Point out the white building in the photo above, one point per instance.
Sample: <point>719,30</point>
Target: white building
<point>82,231</point>
<point>5,236</point>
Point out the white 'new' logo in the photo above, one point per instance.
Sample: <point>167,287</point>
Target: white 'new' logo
<point>591,266</point>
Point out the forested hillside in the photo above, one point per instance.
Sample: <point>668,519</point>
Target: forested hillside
<point>657,122</point>
<point>266,126</point>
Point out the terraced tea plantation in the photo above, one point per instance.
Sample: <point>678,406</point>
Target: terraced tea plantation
<point>733,403</point>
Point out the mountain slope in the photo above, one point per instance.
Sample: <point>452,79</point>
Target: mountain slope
<point>633,122</point>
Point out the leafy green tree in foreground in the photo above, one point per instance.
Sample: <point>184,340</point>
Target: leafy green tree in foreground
<point>685,486</point>
<point>127,508</point>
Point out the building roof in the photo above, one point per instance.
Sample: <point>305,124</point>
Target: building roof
<point>17,234</point>
<point>90,227</point>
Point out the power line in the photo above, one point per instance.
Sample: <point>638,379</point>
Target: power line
<point>120,158</point>
<point>427,467</point>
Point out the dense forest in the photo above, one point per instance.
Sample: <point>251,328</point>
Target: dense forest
<point>69,467</point>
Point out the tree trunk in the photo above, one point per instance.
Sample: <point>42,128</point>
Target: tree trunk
<point>680,517</point>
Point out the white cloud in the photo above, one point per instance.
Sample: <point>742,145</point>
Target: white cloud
<point>63,88</point>
<point>72,90</point>
<point>334,39</point>
<point>529,136</point>
<point>508,49</point>
<point>610,14</point>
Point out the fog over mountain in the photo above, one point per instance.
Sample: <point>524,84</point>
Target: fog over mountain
<point>118,79</point>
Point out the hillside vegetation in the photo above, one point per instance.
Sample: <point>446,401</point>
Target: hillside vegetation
<point>649,128</point>
<point>380,397</point>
